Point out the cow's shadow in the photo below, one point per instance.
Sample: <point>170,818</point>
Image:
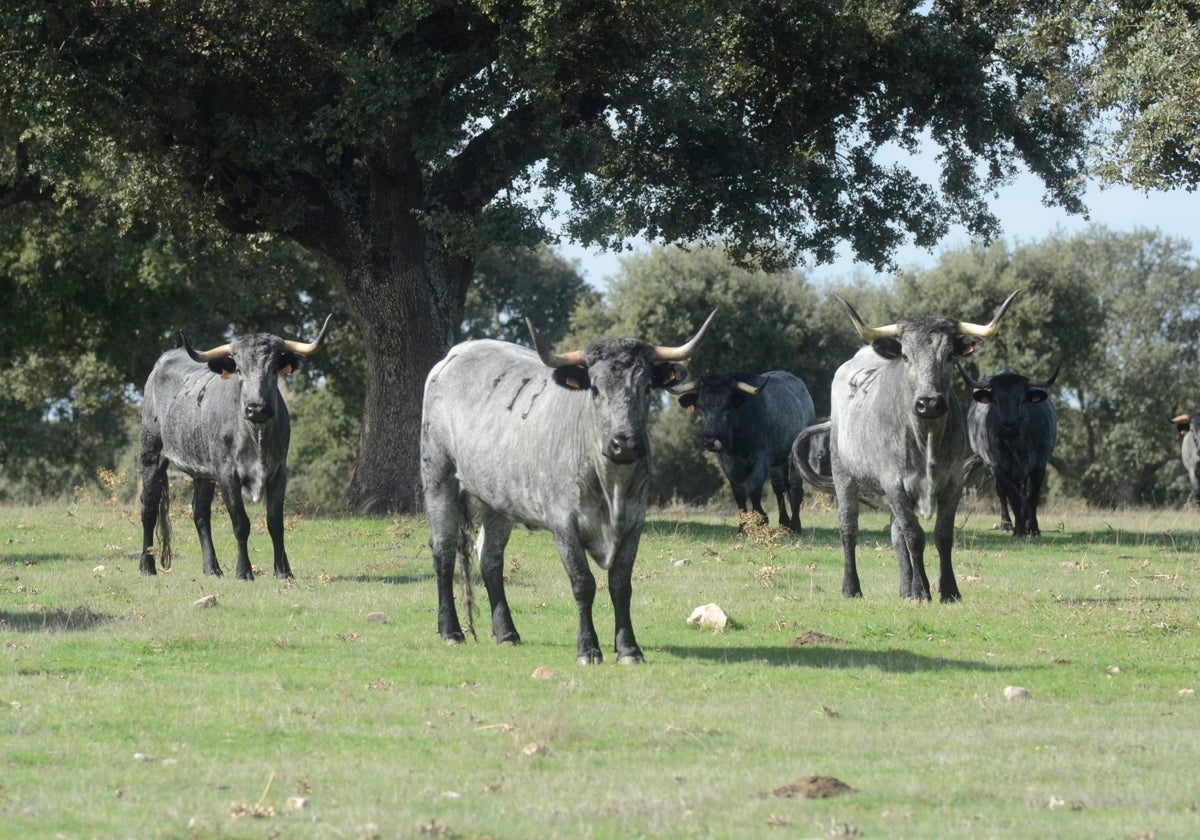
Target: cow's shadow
<point>893,660</point>
<point>43,621</point>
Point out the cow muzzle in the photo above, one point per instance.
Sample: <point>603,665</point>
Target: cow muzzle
<point>257,412</point>
<point>713,443</point>
<point>931,408</point>
<point>622,449</point>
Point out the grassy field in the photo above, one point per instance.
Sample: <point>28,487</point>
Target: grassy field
<point>289,710</point>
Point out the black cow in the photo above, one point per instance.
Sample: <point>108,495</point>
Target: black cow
<point>1189,451</point>
<point>897,437</point>
<point>750,421</point>
<point>219,417</point>
<point>1012,427</point>
<point>515,436</point>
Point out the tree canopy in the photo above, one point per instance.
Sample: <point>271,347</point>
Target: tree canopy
<point>395,142</point>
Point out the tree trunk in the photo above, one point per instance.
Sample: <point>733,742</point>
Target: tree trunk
<point>409,306</point>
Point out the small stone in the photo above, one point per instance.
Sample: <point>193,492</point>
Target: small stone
<point>1015,692</point>
<point>376,618</point>
<point>709,615</point>
<point>206,601</point>
<point>535,749</point>
<point>1187,692</point>
<point>544,673</point>
<point>142,757</point>
<point>298,803</point>
<point>1114,670</point>
<point>681,563</point>
<point>98,570</point>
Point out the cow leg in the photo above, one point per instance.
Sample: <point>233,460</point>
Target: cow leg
<point>779,484</point>
<point>493,537</point>
<point>795,486</point>
<point>1033,497</point>
<point>908,541</point>
<point>847,504</point>
<point>620,589</point>
<point>154,485</point>
<point>241,527</point>
<point>276,490</point>
<point>943,540</point>
<point>1002,493</point>
<point>583,587</point>
<point>444,512</point>
<point>202,498</point>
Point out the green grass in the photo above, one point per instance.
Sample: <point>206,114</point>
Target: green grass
<point>127,711</point>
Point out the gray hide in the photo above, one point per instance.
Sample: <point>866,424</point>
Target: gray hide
<point>749,422</point>
<point>1189,450</point>
<point>897,434</point>
<point>1012,428</point>
<point>553,442</point>
<point>219,417</point>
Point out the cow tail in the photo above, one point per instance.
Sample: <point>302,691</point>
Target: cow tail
<point>819,482</point>
<point>164,527</point>
<point>466,551</point>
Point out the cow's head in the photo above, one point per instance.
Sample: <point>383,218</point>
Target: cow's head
<point>256,361</point>
<point>618,374</point>
<point>928,345</point>
<point>716,399</point>
<point>1009,394</point>
<point>1183,423</point>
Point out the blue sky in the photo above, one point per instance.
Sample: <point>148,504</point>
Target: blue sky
<point>1022,216</point>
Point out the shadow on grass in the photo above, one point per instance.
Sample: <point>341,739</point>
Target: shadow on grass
<point>393,580</point>
<point>52,621</point>
<point>822,656</point>
<point>30,559</point>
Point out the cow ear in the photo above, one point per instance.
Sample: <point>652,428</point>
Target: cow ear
<point>288,362</point>
<point>669,373</point>
<point>688,401</point>
<point>574,377</point>
<point>1183,428</point>
<point>889,348</point>
<point>982,396</point>
<point>225,367</point>
<point>1036,395</point>
<point>966,345</point>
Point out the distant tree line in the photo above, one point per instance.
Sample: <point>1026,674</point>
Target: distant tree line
<point>1118,311</point>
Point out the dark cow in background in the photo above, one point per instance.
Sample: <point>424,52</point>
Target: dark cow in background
<point>750,421</point>
<point>523,437</point>
<point>219,417</point>
<point>1189,451</point>
<point>897,436</point>
<point>1012,427</point>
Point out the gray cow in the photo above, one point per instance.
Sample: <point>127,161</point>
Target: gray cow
<point>517,436</point>
<point>219,417</point>
<point>1012,427</point>
<point>1189,451</point>
<point>897,437</point>
<point>750,421</point>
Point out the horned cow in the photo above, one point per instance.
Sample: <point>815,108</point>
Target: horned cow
<point>517,436</point>
<point>896,436</point>
<point>218,416</point>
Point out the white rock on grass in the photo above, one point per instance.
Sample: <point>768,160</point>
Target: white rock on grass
<point>1015,692</point>
<point>709,615</point>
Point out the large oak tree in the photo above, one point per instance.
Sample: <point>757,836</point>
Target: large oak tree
<point>397,140</point>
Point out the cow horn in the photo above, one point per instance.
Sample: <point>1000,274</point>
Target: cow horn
<point>206,356</point>
<point>685,350</point>
<point>867,333</point>
<point>575,357</point>
<point>1048,382</point>
<point>1182,418</point>
<point>979,331</point>
<point>746,388</point>
<point>974,383</point>
<point>304,349</point>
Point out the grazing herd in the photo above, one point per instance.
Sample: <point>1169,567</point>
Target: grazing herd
<point>512,436</point>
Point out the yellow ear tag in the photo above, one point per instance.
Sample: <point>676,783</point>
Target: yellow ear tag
<point>286,369</point>
<point>226,375</point>
<point>572,382</point>
<point>670,378</point>
<point>691,409</point>
<point>968,350</point>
